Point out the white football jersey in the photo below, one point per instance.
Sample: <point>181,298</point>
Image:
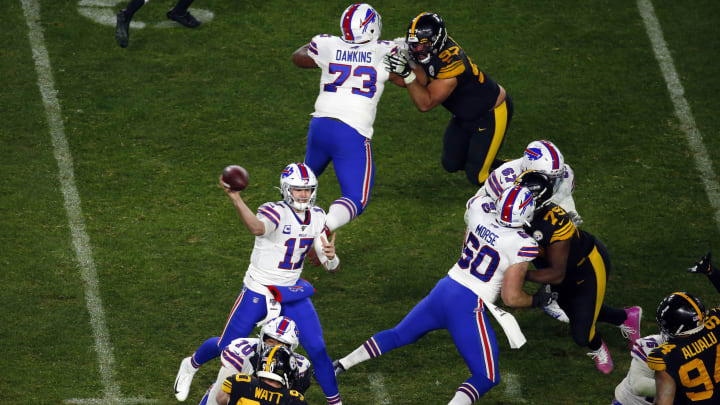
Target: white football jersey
<point>353,79</point>
<point>504,176</point>
<point>489,250</point>
<point>278,255</point>
<point>624,392</point>
<point>236,358</point>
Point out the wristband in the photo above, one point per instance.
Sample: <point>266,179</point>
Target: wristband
<point>333,264</point>
<point>410,78</point>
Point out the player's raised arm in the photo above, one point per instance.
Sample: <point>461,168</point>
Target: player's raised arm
<point>254,225</point>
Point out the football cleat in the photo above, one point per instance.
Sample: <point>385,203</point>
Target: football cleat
<point>184,379</point>
<point>631,327</point>
<point>338,367</point>
<point>602,358</point>
<point>122,29</point>
<point>186,19</point>
<point>553,309</point>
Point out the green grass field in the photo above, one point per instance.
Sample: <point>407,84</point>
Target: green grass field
<point>149,129</point>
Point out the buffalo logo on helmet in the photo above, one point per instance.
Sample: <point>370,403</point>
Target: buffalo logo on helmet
<point>533,153</point>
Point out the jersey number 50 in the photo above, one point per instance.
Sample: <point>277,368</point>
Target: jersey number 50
<point>486,260</point>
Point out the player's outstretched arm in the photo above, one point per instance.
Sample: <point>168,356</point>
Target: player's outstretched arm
<point>704,266</point>
<point>254,225</point>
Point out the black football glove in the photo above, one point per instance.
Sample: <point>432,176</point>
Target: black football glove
<point>543,297</point>
<point>396,63</point>
<point>704,266</point>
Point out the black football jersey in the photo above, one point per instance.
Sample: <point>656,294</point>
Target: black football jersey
<point>475,94</point>
<point>693,362</point>
<point>551,224</point>
<point>245,389</point>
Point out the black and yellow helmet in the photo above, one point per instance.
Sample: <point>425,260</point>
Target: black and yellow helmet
<point>425,36</point>
<point>278,364</point>
<point>680,314</point>
<point>539,184</point>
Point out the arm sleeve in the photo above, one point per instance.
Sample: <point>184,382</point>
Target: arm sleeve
<point>303,382</point>
<point>714,277</point>
<point>641,378</point>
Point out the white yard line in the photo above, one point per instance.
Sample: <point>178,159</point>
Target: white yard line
<point>682,108</point>
<point>80,238</point>
<point>377,386</point>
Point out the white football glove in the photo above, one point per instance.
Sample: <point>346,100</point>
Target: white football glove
<point>398,64</point>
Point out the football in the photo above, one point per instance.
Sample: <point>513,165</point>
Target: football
<point>235,178</point>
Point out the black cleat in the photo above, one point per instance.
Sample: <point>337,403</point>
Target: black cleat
<point>122,29</point>
<point>186,19</point>
<point>338,367</point>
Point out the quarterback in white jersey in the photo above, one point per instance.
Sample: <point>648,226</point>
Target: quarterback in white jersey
<point>352,80</point>
<point>638,387</point>
<point>542,156</point>
<point>285,231</point>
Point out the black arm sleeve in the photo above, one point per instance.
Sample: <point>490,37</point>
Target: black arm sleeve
<point>714,277</point>
<point>303,383</point>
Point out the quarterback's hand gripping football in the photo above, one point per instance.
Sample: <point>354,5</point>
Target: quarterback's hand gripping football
<point>704,266</point>
<point>398,64</point>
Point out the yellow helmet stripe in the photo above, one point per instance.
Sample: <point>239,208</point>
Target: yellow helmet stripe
<point>692,302</point>
<point>270,358</point>
<point>414,22</point>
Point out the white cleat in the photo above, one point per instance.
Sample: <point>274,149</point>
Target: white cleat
<point>554,310</point>
<point>184,379</point>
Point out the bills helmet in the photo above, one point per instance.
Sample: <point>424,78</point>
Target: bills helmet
<point>680,314</point>
<point>544,157</point>
<point>539,184</point>
<point>300,177</point>
<point>278,364</point>
<point>282,329</point>
<point>516,207</point>
<point>360,23</point>
<point>425,36</point>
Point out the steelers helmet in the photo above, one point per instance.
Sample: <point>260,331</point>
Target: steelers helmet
<point>425,36</point>
<point>539,184</point>
<point>278,364</point>
<point>680,314</point>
